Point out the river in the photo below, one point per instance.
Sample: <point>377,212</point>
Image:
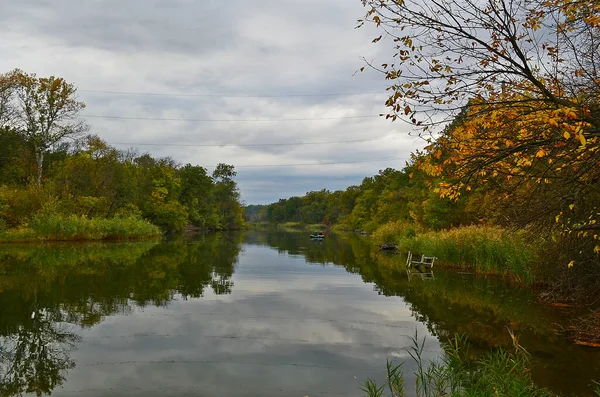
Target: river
<point>255,314</point>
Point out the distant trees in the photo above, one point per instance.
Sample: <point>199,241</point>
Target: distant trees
<point>389,196</point>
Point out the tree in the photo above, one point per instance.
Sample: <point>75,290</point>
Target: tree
<point>196,194</point>
<point>47,112</point>
<point>523,73</point>
<point>7,109</point>
<point>227,197</point>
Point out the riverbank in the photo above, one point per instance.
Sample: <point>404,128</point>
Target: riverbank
<point>513,255</point>
<point>477,249</point>
<point>79,228</point>
<point>287,226</point>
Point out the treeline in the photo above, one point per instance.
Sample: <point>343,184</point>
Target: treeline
<point>391,195</point>
<point>55,177</point>
<point>89,178</point>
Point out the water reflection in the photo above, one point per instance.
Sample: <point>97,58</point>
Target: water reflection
<point>479,307</point>
<point>279,314</point>
<point>47,292</point>
<point>36,357</point>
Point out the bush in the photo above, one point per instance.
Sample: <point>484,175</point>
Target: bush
<point>394,232</point>
<point>170,216</point>
<point>18,205</point>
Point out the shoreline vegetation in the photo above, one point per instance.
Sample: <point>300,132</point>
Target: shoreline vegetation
<point>60,183</point>
<point>479,249</point>
<point>501,372</point>
<point>80,228</point>
<point>288,226</point>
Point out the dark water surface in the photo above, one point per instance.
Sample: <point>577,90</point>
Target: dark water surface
<point>260,314</point>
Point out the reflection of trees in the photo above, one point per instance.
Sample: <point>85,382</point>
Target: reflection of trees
<point>452,303</point>
<point>43,289</point>
<point>35,358</point>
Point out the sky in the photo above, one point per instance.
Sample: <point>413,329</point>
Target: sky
<point>269,86</point>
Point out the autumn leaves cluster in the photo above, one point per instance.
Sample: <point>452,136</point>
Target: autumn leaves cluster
<point>507,93</point>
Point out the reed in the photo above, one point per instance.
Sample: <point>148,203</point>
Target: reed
<point>499,373</point>
<point>72,228</point>
<point>481,249</point>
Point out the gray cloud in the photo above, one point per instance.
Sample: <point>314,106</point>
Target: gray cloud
<point>240,48</point>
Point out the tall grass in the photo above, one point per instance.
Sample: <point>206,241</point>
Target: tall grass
<point>65,228</point>
<point>475,248</point>
<point>500,373</point>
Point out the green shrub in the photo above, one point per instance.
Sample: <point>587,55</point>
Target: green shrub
<point>394,232</point>
<point>18,205</point>
<point>129,210</point>
<point>170,216</point>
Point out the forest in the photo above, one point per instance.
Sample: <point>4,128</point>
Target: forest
<point>60,182</point>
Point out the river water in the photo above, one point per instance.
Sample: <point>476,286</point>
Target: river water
<point>259,314</point>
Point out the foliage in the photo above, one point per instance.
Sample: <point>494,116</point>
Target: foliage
<point>96,181</point>
<point>393,232</point>
<point>84,177</point>
<point>500,372</point>
<point>519,81</point>
<point>44,110</point>
<point>73,227</point>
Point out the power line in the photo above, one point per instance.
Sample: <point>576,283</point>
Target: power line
<point>228,120</point>
<point>229,95</point>
<point>245,145</point>
<point>313,164</point>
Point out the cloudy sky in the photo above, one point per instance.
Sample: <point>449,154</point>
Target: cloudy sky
<point>266,85</point>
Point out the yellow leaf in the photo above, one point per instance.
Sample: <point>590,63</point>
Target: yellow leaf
<point>540,153</point>
<point>571,206</point>
<point>570,265</point>
<point>566,135</point>
<point>582,140</point>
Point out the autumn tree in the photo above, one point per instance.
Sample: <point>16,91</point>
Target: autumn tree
<point>525,75</point>
<point>46,112</point>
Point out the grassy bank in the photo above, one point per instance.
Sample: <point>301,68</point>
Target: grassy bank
<point>473,248</point>
<point>499,373</point>
<point>73,228</point>
<point>287,226</point>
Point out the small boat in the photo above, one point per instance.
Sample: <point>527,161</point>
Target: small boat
<point>317,236</point>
